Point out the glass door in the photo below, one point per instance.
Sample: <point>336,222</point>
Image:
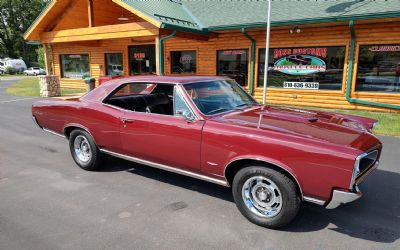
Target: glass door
<point>142,59</point>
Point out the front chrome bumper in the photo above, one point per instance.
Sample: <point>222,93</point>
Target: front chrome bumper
<point>342,197</point>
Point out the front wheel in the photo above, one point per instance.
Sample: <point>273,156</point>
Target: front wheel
<point>265,196</point>
<point>84,150</point>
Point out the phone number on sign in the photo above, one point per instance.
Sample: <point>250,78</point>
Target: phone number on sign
<point>301,85</point>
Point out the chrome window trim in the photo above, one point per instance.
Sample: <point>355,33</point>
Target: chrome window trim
<point>181,92</point>
<point>166,167</point>
<point>176,88</point>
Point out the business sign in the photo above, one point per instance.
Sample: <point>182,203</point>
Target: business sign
<point>233,52</point>
<point>139,56</point>
<point>388,48</point>
<point>300,61</point>
<point>185,59</point>
<point>301,85</point>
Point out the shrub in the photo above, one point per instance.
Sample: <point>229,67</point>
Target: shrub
<point>10,71</point>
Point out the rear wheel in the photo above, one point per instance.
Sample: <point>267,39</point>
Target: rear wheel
<point>265,196</point>
<point>84,150</point>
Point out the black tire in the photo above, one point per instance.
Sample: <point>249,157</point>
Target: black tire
<point>96,158</point>
<point>288,193</point>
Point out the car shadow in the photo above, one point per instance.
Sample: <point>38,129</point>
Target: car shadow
<point>374,217</point>
<point>116,165</point>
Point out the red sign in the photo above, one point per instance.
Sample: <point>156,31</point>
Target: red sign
<point>319,52</point>
<point>139,56</point>
<point>233,52</point>
<point>390,48</point>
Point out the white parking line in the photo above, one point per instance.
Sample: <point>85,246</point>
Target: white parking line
<point>16,100</point>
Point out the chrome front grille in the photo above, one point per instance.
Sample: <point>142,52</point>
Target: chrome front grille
<point>364,164</point>
<point>367,161</point>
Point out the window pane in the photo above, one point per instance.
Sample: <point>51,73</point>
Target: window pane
<point>114,64</point>
<point>180,107</point>
<point>142,59</point>
<point>75,66</point>
<point>234,64</point>
<point>215,97</point>
<point>135,89</point>
<point>183,62</point>
<point>303,68</point>
<point>379,68</point>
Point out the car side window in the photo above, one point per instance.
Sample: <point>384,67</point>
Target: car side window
<point>144,97</point>
<point>180,106</point>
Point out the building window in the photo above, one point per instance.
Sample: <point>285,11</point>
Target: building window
<point>303,68</point>
<point>114,64</point>
<point>379,68</point>
<point>234,64</point>
<point>142,59</point>
<point>75,66</point>
<point>183,62</point>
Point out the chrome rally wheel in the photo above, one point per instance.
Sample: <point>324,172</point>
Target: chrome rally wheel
<point>266,196</point>
<point>82,149</point>
<point>262,196</point>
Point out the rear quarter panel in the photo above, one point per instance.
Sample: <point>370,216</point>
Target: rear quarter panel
<point>101,121</point>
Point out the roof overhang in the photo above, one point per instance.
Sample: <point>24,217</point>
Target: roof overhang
<point>307,21</point>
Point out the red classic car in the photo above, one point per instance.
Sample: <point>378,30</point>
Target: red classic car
<point>211,129</point>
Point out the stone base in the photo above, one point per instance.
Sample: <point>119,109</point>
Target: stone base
<point>49,86</point>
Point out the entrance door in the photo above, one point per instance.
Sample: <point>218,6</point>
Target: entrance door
<point>142,59</point>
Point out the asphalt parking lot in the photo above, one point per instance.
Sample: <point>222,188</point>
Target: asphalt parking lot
<point>47,202</point>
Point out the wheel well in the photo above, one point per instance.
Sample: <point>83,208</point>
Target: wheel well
<point>233,168</point>
<point>68,130</point>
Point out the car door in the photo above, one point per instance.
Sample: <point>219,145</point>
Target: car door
<point>172,140</point>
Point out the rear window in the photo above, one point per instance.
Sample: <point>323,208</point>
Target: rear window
<point>135,89</point>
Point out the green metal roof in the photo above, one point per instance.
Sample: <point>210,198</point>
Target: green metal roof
<point>208,15</point>
<point>205,15</point>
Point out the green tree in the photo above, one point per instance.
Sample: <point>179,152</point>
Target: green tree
<point>40,57</point>
<point>15,18</point>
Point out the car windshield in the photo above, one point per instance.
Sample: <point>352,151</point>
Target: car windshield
<point>213,97</point>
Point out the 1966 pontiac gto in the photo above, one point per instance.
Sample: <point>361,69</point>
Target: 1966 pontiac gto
<point>209,128</point>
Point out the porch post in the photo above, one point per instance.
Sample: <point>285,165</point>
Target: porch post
<point>90,13</point>
<point>47,60</point>
<point>157,55</point>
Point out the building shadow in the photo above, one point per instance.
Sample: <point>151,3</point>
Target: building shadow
<point>344,6</point>
<point>374,217</point>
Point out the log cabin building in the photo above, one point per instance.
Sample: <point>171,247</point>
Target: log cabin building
<point>333,54</point>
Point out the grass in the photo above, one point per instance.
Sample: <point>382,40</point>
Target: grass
<point>11,76</point>
<point>389,123</point>
<point>29,86</point>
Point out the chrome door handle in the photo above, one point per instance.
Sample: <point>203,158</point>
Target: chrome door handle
<point>126,120</point>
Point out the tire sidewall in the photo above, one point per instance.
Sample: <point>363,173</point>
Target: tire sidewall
<point>290,197</point>
<point>91,164</point>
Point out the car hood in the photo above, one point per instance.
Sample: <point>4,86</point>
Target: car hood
<point>346,130</point>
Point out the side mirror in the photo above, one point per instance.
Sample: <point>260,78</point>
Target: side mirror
<point>187,115</point>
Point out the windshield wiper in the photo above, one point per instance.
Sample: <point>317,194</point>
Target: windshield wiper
<point>216,110</point>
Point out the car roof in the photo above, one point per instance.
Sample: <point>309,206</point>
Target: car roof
<point>170,79</point>
<point>99,93</point>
